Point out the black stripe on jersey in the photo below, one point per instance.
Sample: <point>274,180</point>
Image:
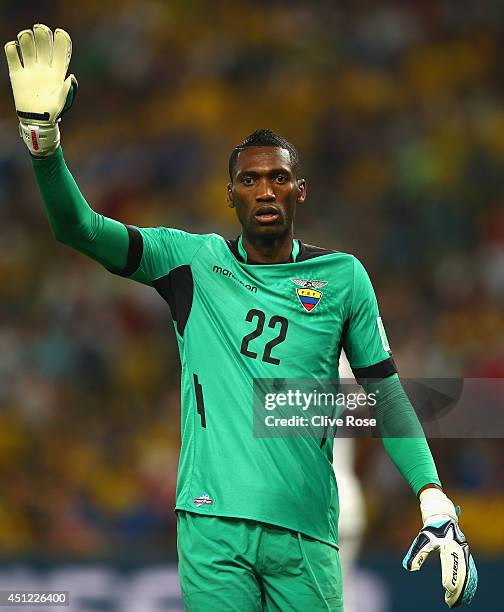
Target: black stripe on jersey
<point>306,251</point>
<point>200,404</point>
<point>378,371</point>
<point>135,252</point>
<point>334,428</point>
<point>177,288</point>
<point>233,247</point>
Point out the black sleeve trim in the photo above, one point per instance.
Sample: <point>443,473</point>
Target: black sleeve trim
<point>378,371</point>
<point>135,252</point>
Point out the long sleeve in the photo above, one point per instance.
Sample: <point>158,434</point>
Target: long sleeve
<point>72,220</point>
<point>402,433</point>
<point>366,346</point>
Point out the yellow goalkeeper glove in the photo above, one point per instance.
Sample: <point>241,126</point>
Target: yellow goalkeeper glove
<point>37,67</point>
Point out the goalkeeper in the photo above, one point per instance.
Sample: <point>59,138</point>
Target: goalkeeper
<point>247,309</point>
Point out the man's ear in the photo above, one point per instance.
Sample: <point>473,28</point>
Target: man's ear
<point>301,184</point>
<point>230,195</point>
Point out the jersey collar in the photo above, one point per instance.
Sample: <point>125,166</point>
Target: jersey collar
<point>294,253</point>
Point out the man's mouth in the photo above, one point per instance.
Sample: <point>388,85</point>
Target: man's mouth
<point>267,214</point>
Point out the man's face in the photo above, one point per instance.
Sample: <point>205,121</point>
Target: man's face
<point>265,191</point>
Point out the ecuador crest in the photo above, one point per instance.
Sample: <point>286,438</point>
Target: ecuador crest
<point>308,292</point>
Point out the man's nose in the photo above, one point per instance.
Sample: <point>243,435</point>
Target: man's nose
<point>265,191</point>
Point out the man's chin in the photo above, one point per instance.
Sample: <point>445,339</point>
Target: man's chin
<point>270,230</point>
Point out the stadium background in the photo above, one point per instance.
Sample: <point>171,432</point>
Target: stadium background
<point>396,109</point>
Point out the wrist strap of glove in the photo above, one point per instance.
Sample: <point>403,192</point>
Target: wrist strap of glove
<point>435,506</point>
<point>40,139</point>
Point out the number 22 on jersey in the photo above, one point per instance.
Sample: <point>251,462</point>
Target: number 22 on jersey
<point>259,317</point>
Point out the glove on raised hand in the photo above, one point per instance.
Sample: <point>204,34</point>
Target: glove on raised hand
<point>38,63</point>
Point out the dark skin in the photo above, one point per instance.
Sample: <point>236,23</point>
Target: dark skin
<point>265,193</point>
<point>264,181</point>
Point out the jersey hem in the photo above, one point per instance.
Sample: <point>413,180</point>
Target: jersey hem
<point>258,519</point>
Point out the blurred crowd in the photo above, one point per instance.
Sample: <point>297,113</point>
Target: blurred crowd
<point>396,109</point>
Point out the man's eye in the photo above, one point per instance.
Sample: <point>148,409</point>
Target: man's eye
<point>281,178</point>
<point>247,181</point>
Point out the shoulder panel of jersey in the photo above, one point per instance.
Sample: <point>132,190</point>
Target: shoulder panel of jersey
<point>155,251</point>
<point>363,336</point>
<point>161,257</point>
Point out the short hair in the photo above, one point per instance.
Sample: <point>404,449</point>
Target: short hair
<point>263,138</point>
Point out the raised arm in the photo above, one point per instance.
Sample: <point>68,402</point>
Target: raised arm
<point>72,220</point>
<point>38,62</point>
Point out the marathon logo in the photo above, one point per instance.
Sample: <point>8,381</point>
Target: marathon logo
<point>225,272</point>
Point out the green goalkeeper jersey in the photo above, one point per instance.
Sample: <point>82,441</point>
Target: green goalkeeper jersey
<point>235,322</point>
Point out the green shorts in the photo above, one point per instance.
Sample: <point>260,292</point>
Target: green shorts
<point>230,564</point>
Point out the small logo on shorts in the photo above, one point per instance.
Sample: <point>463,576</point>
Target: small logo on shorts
<point>203,500</point>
